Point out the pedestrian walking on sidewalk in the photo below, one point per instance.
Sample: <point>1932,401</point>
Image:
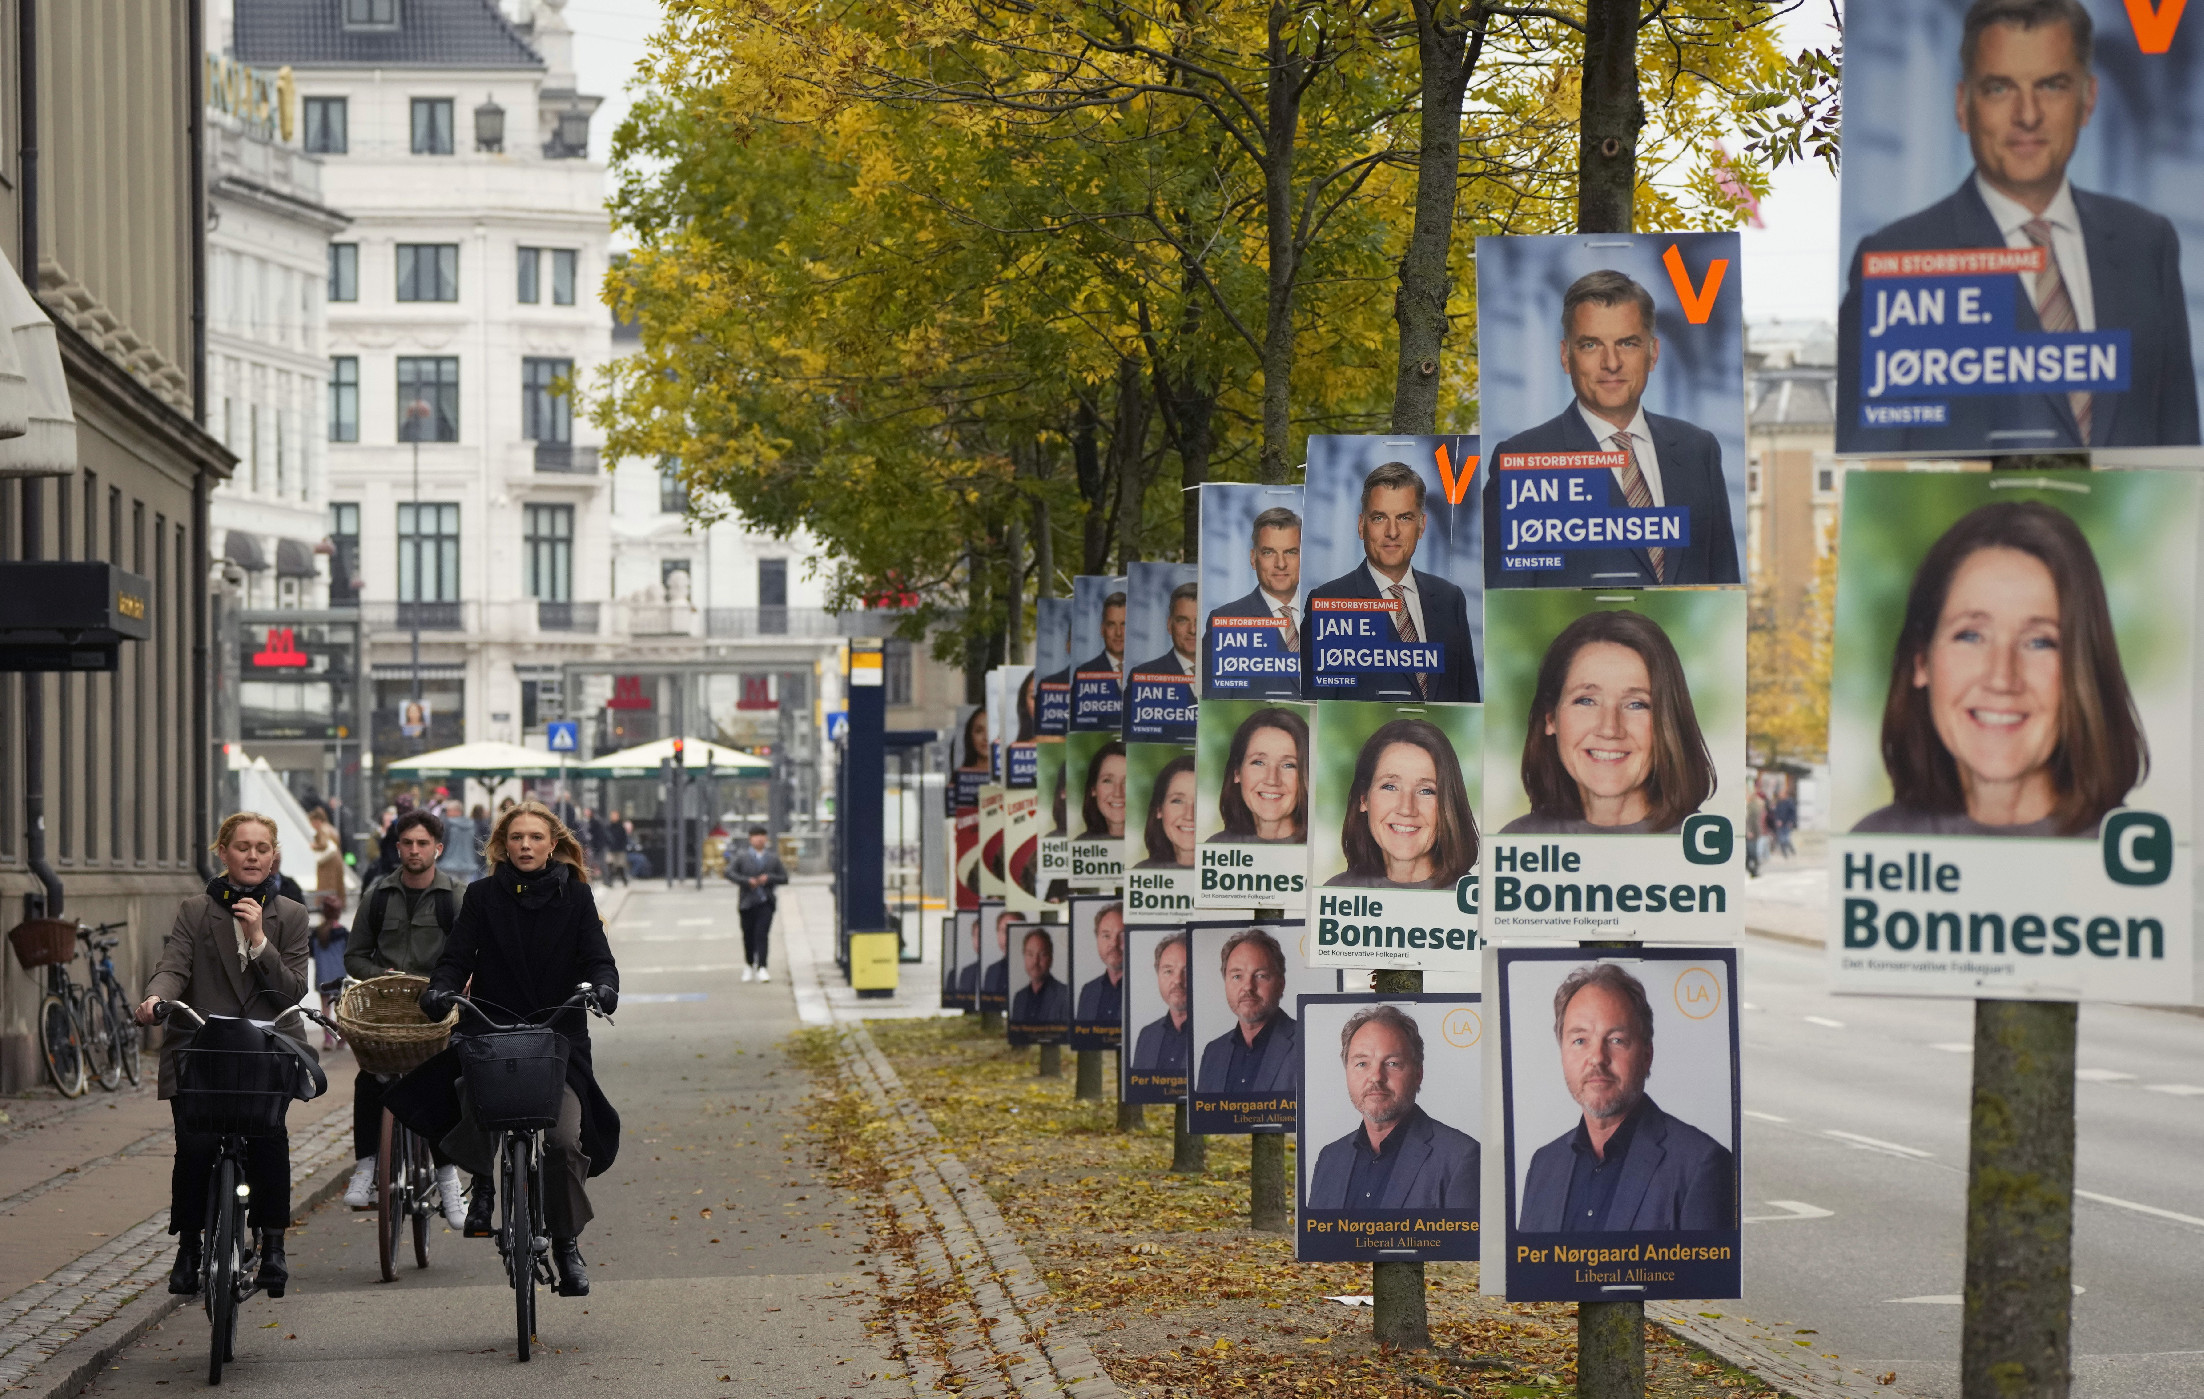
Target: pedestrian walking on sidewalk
<point>403,920</point>
<point>526,937</point>
<point>329,941</point>
<point>240,949</point>
<point>757,870</point>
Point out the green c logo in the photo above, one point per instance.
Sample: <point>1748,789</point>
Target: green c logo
<point>2138,847</point>
<point>1708,840</point>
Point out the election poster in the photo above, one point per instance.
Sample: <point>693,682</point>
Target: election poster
<point>1162,625</point>
<point>1022,849</point>
<point>1612,381</point>
<point>1040,972</point>
<point>1098,948</point>
<point>1251,804</point>
<point>1246,1044</point>
<point>1051,721</point>
<point>992,881</point>
<point>2012,736</point>
<point>1388,1165</point>
<point>2019,229</point>
<point>1160,878</point>
<point>1098,639</point>
<point>1094,799</point>
<point>1251,593</point>
<point>1393,835</point>
<point>1393,552</point>
<point>995,921</point>
<point>1157,1014</point>
<point>972,758</point>
<point>1624,1063</point>
<point>1010,721</point>
<point>1614,764</point>
<point>955,952</point>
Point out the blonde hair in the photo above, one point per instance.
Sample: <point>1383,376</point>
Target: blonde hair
<point>231,822</point>
<point>564,847</point>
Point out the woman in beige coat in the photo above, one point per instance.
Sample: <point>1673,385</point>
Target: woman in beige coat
<point>239,949</point>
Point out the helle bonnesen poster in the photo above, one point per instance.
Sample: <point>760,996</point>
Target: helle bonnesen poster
<point>2012,729</point>
<point>1163,629</point>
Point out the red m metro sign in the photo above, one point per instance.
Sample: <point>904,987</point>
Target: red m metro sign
<point>280,651</point>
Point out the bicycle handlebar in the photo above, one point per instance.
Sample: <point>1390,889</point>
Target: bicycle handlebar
<point>584,997</point>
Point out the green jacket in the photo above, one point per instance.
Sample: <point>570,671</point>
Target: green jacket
<point>399,944</point>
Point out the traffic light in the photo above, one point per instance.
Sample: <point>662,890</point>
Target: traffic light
<point>680,749</point>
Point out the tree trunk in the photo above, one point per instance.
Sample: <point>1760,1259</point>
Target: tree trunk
<point>1052,1061</point>
<point>1014,614</point>
<point>1128,459</point>
<point>1399,1313</point>
<point>1189,1153</point>
<point>2015,1336</point>
<point>1094,490</point>
<point>1132,1117</point>
<point>1266,1184</point>
<point>1610,1350</point>
<point>1188,411</point>
<point>1282,102</point>
<point>1044,550</point>
<point>1088,1066</point>
<point>1419,305</point>
<point>1607,128</point>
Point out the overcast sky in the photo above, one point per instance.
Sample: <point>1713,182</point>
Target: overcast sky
<point>1790,266</point>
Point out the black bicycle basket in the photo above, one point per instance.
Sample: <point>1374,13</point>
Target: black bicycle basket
<point>515,1078</point>
<point>233,1080</point>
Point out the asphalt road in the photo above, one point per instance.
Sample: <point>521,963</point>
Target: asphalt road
<point>764,1297</point>
<point>1857,1106</point>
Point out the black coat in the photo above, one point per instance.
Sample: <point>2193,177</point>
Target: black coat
<point>521,961</point>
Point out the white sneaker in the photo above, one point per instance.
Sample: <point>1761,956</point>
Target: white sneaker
<point>764,975</point>
<point>360,1193</point>
<point>452,1196</point>
<point>748,971</point>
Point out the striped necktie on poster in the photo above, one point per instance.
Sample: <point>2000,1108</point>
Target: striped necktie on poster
<point>1408,634</point>
<point>1640,496</point>
<point>2055,308</point>
<point>1293,633</point>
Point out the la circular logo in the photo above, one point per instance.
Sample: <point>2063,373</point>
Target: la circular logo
<point>1698,993</point>
<point>1462,1027</point>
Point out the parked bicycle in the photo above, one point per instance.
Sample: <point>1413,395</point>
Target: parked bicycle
<point>516,1076</point>
<point>123,1040</point>
<point>66,1041</point>
<point>234,1081</point>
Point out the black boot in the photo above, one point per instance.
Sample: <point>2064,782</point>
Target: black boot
<point>183,1279</point>
<point>481,1210</point>
<point>573,1273</point>
<point>273,1275</point>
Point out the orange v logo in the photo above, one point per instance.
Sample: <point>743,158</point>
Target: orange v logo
<point>1698,305</point>
<point>1456,486</point>
<point>2154,27</point>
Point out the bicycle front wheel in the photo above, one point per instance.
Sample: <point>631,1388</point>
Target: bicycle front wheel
<point>61,1041</point>
<point>520,1241</point>
<point>424,1205</point>
<point>101,1057</point>
<point>221,1284</point>
<point>390,1203</point>
<point>128,1039</point>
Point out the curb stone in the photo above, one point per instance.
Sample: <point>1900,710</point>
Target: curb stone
<point>1768,1355</point>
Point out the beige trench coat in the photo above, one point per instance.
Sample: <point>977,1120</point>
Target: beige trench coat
<point>199,967</point>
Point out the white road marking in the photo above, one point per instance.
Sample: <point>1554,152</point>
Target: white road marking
<point>1825,1022</point>
<point>1748,1005</point>
<point>1763,1116</point>
<point>2152,1210</point>
<point>1935,1299</point>
<point>694,922</point>
<point>2102,1076</point>
<point>1792,1209</point>
<point>2178,1090</point>
<point>659,996</point>
<point>1954,1048</point>
<point>1877,1144</point>
<point>683,937</point>
<point>693,967</point>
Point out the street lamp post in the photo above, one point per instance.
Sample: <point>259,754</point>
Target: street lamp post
<point>418,414</point>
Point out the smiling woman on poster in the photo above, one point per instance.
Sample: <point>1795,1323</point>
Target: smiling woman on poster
<point>1170,831</point>
<point>1613,746</point>
<point>1105,793</point>
<point>1409,825</point>
<point>976,755</point>
<point>1265,800</point>
<point>2009,713</point>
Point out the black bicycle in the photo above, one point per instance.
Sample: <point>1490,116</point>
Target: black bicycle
<point>111,1036</point>
<point>231,1084</point>
<point>516,1077</point>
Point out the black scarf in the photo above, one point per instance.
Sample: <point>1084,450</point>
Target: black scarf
<point>544,887</point>
<point>223,892</point>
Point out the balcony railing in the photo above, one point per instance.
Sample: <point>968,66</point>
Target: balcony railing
<point>729,623</point>
<point>565,457</point>
<point>567,616</point>
<point>405,616</point>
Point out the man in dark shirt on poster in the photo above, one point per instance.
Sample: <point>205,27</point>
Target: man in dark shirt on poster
<point>995,981</point>
<point>1261,1053</point>
<point>1101,1000</point>
<point>1397,1157</point>
<point>1164,1042</point>
<point>1043,1000</point>
<point>1626,1166</point>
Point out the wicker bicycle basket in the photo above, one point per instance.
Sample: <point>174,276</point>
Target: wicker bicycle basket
<point>43,942</point>
<point>382,1020</point>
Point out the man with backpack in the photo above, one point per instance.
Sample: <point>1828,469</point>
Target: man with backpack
<point>403,919</point>
<point>758,872</point>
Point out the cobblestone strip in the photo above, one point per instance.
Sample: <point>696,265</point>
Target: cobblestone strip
<point>963,1239</point>
<point>37,1321</point>
<point>1770,1354</point>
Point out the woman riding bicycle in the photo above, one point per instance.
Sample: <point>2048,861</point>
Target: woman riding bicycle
<point>526,936</point>
<point>236,950</point>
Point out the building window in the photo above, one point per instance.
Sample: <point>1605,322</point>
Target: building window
<point>428,553</point>
<point>344,398</point>
<point>327,130</point>
<point>549,548</point>
<point>344,272</point>
<point>673,492</point>
<point>432,382</point>
<point>531,262</point>
<point>370,14</point>
<point>432,126</point>
<point>344,565</point>
<point>546,415</point>
<point>562,276</point>
<point>895,672</point>
<point>1825,480</point>
<point>1752,481</point>
<point>772,597</point>
<point>428,271</point>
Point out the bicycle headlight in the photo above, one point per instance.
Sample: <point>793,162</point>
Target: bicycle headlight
<point>244,1191</point>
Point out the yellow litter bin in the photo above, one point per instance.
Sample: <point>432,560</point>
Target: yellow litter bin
<point>873,961</point>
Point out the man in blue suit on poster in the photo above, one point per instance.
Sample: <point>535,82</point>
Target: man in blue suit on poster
<point>1261,1053</point>
<point>1610,348</point>
<point>1427,608</point>
<point>1398,1157</point>
<point>2026,90</point>
<point>1626,1166</point>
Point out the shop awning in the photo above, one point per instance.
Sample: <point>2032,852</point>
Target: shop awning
<point>38,428</point>
<point>243,550</point>
<point>485,759</point>
<point>294,559</point>
<point>644,760</point>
